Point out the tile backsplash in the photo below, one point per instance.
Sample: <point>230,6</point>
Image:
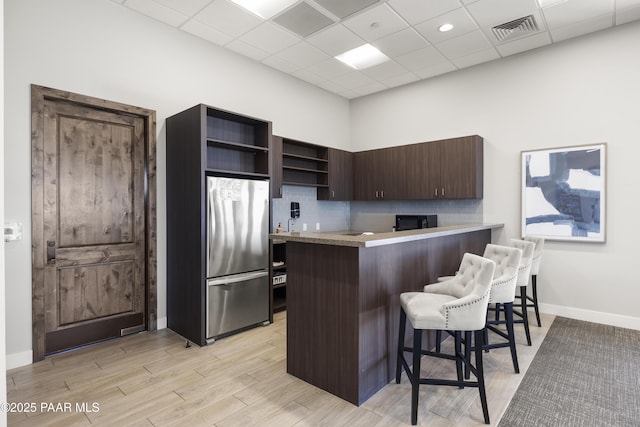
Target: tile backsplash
<point>380,216</point>
<point>332,216</point>
<point>376,216</point>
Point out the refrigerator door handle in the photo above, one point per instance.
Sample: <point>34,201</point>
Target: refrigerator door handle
<point>226,280</point>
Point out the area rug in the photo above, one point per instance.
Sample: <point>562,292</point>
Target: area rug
<point>584,374</point>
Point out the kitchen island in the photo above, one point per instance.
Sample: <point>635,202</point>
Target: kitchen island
<point>343,299</point>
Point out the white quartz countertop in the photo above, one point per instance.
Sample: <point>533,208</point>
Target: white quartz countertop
<point>347,238</point>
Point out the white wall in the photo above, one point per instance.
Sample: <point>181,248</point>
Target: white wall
<point>3,358</point>
<point>100,49</point>
<point>578,92</point>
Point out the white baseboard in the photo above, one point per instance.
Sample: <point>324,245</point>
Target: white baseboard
<point>161,323</point>
<point>15,360</point>
<point>628,322</point>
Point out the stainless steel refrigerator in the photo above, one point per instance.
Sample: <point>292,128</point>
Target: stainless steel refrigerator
<point>237,254</point>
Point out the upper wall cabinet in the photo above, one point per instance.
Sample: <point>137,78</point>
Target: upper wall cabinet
<point>444,169</point>
<point>340,176</point>
<point>380,174</point>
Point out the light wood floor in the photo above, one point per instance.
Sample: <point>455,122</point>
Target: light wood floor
<point>152,379</point>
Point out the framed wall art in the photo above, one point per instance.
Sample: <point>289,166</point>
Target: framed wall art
<point>563,193</point>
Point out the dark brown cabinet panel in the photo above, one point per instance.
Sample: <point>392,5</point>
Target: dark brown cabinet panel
<point>380,174</point>
<point>340,176</point>
<point>456,168</point>
<point>276,167</point>
<point>202,141</point>
<point>444,169</point>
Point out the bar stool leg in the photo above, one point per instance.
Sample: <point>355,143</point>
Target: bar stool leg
<point>468,345</point>
<point>400,355</point>
<point>508,313</point>
<point>534,288</point>
<point>438,340</point>
<point>458,353</point>
<point>525,317</point>
<point>479,336</point>
<point>415,384</point>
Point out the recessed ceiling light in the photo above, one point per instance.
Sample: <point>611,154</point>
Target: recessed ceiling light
<point>549,3</point>
<point>445,27</point>
<point>265,9</point>
<point>363,57</point>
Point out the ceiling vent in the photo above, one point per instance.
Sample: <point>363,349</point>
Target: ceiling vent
<point>515,29</point>
<point>303,20</point>
<point>344,8</point>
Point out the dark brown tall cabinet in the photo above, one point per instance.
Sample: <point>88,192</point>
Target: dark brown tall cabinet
<point>202,141</point>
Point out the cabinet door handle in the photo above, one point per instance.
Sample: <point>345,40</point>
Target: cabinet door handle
<point>436,192</point>
<point>280,189</point>
<point>382,194</point>
<point>442,191</point>
<point>333,194</point>
<point>377,193</point>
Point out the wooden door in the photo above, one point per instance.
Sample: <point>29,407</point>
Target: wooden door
<point>93,246</point>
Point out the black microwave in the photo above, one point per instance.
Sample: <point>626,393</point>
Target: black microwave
<point>412,222</point>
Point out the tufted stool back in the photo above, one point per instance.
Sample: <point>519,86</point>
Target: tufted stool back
<point>472,287</point>
<point>537,253</point>
<point>527,260</point>
<point>507,259</point>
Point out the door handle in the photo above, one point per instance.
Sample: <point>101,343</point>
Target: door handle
<point>51,251</point>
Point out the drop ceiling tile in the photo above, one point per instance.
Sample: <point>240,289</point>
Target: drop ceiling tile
<point>375,23</point>
<point>415,12</point>
<point>203,31</point>
<point>309,76</point>
<point>332,86</point>
<point>344,8</point>
<point>303,55</point>
<point>435,70</point>
<point>572,12</point>
<point>421,58</point>
<point>280,64</point>
<point>369,89</point>
<point>329,69</point>
<point>532,42</point>
<point>476,58</point>
<point>186,7</point>
<point>385,70</point>
<point>464,45</point>
<point>400,43</point>
<point>157,11</point>
<point>335,40</point>
<point>228,18</point>
<point>247,50</point>
<point>488,13</point>
<point>269,38</point>
<point>628,14</point>
<point>400,80</point>
<point>581,28</point>
<point>459,18</point>
<point>353,80</point>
